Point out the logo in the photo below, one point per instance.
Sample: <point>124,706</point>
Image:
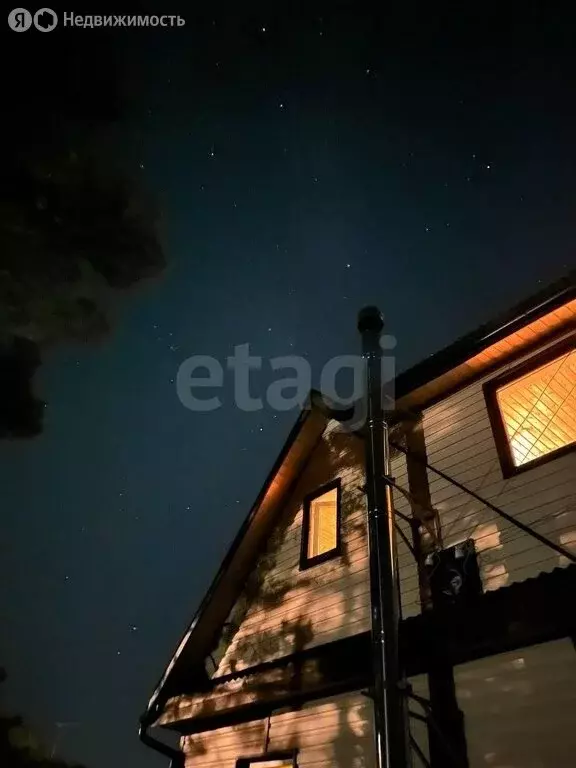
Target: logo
<point>45,20</point>
<point>19,20</point>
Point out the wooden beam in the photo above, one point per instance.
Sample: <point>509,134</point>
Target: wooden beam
<point>441,685</point>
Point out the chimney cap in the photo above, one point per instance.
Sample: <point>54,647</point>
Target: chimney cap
<point>370,319</point>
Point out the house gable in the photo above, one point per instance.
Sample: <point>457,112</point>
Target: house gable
<point>282,608</point>
<point>285,608</point>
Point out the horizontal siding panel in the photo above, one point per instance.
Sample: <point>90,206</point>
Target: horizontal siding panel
<point>487,481</point>
<point>300,609</point>
<point>520,707</point>
<point>335,732</point>
<point>223,747</point>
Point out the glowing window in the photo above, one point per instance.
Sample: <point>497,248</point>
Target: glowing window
<point>321,526</point>
<point>281,760</point>
<point>273,764</point>
<point>538,410</point>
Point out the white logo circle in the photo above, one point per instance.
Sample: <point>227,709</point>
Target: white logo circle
<point>45,20</point>
<point>19,20</point>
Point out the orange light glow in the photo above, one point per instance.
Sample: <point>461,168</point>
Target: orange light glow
<point>533,333</point>
<point>323,535</point>
<point>539,409</point>
<point>273,764</point>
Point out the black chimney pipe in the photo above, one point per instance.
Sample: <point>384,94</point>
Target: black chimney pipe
<point>389,696</point>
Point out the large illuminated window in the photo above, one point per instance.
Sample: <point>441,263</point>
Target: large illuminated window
<point>533,410</point>
<point>321,526</point>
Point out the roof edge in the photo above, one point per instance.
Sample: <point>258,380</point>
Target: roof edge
<point>471,344</point>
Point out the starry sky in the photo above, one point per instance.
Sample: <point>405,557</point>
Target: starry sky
<point>305,164</point>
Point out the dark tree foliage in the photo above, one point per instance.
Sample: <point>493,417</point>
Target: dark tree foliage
<point>19,748</point>
<point>20,411</point>
<point>75,227</point>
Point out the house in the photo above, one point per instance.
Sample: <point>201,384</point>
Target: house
<point>275,668</point>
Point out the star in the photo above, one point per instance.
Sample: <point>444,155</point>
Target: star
<point>281,105</point>
<point>348,266</point>
<point>263,29</point>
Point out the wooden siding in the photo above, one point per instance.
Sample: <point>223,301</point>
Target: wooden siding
<point>519,707</point>
<point>297,609</point>
<point>335,732</point>
<point>460,442</point>
<point>294,609</point>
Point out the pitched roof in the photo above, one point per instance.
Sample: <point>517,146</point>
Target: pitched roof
<point>544,314</point>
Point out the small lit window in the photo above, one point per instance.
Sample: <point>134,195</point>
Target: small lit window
<point>535,411</point>
<point>272,764</point>
<point>321,526</point>
<point>278,760</point>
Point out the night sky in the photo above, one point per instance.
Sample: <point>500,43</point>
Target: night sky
<point>304,165</point>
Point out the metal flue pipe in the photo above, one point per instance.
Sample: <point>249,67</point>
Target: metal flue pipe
<point>391,731</point>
